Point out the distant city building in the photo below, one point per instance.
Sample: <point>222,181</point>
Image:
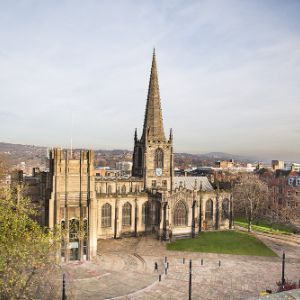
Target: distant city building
<point>224,164</point>
<point>277,165</point>
<point>295,167</point>
<point>284,187</point>
<point>125,167</point>
<point>294,179</point>
<point>101,171</point>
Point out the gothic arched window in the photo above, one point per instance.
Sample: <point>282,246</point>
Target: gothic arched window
<point>106,215</point>
<point>180,214</point>
<point>225,209</point>
<point>159,158</point>
<point>209,210</point>
<point>126,214</point>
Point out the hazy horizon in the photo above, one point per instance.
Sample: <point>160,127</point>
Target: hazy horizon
<point>238,156</point>
<point>229,74</point>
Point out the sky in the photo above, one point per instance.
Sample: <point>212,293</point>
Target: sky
<point>229,73</point>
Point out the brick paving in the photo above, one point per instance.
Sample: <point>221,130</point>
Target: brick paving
<point>124,269</point>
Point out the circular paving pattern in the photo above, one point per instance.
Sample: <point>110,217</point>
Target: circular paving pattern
<point>124,269</point>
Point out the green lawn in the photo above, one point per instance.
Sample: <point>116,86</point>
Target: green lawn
<point>264,226</point>
<point>227,242</point>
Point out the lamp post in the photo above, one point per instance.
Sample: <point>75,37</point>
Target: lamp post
<point>190,281</point>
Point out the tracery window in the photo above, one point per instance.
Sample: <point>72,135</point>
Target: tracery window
<point>209,208</point>
<point>106,215</point>
<point>180,214</point>
<point>126,214</point>
<point>159,158</point>
<point>225,209</point>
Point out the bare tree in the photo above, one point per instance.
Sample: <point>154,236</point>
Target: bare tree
<point>251,198</point>
<point>283,213</point>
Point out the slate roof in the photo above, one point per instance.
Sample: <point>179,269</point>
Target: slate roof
<point>189,182</point>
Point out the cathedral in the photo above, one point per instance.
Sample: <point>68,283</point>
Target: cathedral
<point>152,201</point>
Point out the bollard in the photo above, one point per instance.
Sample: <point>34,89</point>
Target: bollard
<point>219,263</point>
<point>283,269</point>
<point>159,277</point>
<point>201,261</point>
<point>190,281</point>
<point>183,260</point>
<point>64,296</point>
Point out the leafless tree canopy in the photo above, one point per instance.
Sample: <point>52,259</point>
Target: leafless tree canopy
<point>251,198</point>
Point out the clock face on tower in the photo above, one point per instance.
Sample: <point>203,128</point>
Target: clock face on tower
<point>158,171</point>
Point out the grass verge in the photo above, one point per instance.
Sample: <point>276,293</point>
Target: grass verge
<point>264,226</point>
<point>225,242</point>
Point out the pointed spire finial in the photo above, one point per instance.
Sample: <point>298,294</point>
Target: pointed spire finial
<point>171,135</point>
<point>135,134</point>
<point>153,123</point>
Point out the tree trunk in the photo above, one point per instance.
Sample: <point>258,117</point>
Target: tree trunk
<point>249,225</point>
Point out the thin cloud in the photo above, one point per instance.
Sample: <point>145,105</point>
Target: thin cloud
<point>229,73</point>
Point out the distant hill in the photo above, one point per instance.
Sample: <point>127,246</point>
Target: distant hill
<point>19,153</point>
<point>36,156</point>
<point>221,156</point>
<point>16,154</point>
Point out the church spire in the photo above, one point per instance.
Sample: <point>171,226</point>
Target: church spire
<point>153,123</point>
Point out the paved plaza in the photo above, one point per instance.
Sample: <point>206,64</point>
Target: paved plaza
<point>124,269</point>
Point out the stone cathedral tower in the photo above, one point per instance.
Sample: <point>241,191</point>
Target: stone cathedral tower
<point>91,207</point>
<point>153,153</point>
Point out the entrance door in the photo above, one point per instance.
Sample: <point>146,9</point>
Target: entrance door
<point>73,239</point>
<point>74,251</point>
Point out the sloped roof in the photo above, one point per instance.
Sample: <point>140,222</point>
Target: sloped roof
<point>189,182</point>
